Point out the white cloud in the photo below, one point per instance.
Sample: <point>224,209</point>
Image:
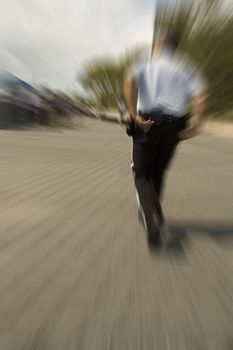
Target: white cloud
<point>47,40</point>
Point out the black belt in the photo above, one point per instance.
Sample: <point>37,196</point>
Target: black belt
<point>161,118</point>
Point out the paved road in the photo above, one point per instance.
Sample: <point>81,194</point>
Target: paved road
<point>76,273</point>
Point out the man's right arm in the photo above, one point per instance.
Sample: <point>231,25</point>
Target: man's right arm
<point>131,97</point>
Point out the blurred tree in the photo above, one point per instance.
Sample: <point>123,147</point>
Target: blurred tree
<point>102,79</point>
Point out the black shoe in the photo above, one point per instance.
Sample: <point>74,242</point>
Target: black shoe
<point>155,240</point>
<point>155,245</point>
<point>154,234</point>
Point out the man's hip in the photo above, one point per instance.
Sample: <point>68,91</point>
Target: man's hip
<point>165,126</point>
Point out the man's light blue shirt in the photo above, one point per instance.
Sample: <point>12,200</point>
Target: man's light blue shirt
<point>166,85</point>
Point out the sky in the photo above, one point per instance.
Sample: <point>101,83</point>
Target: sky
<point>47,41</point>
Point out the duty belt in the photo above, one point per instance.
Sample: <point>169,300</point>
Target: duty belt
<point>160,118</point>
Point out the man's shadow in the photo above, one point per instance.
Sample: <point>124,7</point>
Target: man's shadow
<point>221,233</point>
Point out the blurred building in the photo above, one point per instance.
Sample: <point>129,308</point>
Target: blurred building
<point>19,101</point>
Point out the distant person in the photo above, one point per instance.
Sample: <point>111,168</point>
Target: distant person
<point>157,95</point>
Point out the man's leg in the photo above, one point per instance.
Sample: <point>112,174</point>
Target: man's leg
<point>161,162</point>
<point>166,150</point>
<point>143,155</point>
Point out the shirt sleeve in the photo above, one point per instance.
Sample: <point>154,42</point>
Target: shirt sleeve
<point>137,72</point>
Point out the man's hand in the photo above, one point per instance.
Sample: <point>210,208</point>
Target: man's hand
<point>188,133</point>
<point>198,108</point>
<point>143,123</point>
